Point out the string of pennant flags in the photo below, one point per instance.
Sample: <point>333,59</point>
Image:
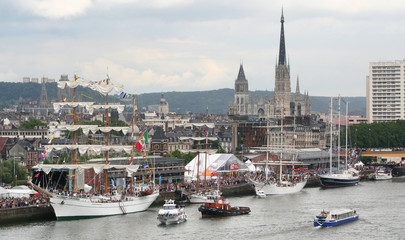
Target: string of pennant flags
<point>140,144</point>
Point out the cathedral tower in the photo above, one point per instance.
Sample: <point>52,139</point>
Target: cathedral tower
<point>43,99</point>
<point>282,90</point>
<point>242,98</point>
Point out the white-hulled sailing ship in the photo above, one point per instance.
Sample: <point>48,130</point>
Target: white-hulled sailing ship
<point>104,202</point>
<point>284,184</point>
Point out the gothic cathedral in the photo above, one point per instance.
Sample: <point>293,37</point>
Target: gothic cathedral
<point>281,102</point>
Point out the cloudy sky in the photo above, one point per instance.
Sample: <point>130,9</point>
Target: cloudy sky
<point>192,45</point>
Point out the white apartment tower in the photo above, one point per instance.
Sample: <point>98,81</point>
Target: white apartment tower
<point>385,94</point>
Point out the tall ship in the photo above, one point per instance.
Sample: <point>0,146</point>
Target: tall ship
<point>341,178</point>
<point>77,198</point>
<point>284,183</point>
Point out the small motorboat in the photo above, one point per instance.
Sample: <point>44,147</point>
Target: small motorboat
<point>203,197</point>
<point>335,218</point>
<point>260,194</point>
<point>171,213</point>
<point>381,174</point>
<point>221,208</point>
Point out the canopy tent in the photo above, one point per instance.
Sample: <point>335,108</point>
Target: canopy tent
<point>215,163</point>
<point>4,193</point>
<point>21,191</point>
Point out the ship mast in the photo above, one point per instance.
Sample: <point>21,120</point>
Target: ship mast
<point>106,143</point>
<point>198,163</point>
<point>132,136</point>
<point>74,141</point>
<point>206,151</point>
<point>330,137</point>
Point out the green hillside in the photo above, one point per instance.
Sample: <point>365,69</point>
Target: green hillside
<point>180,102</point>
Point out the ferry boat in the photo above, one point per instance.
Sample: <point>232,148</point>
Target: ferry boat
<point>221,208</point>
<point>335,218</point>
<point>171,213</point>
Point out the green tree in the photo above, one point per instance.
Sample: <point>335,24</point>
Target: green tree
<point>221,150</point>
<point>186,156</point>
<point>31,124</point>
<point>11,171</point>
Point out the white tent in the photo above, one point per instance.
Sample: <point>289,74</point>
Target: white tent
<point>21,191</point>
<point>214,163</point>
<point>4,193</point>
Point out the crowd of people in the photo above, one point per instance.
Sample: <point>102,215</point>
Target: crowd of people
<point>15,202</point>
<point>211,183</point>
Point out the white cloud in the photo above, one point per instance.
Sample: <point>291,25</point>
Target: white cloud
<point>188,45</point>
<point>54,9</point>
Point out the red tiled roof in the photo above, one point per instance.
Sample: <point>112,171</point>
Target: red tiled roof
<point>3,141</point>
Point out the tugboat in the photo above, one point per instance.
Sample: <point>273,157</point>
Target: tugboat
<point>335,218</point>
<point>221,208</point>
<point>171,213</point>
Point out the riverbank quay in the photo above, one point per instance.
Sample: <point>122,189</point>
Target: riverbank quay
<point>32,213</point>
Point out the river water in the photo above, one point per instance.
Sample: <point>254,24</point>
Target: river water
<point>379,204</point>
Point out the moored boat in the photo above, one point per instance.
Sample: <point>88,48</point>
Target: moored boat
<point>221,208</point>
<point>335,218</point>
<point>171,213</point>
<point>77,207</point>
<point>202,197</point>
<point>74,201</point>
<point>278,188</point>
<point>381,174</point>
<point>342,179</point>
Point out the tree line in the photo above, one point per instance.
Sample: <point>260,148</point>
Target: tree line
<point>376,135</point>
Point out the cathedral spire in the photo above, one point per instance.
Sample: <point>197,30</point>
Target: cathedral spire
<point>281,55</point>
<point>297,89</point>
<point>241,74</point>
<point>43,99</point>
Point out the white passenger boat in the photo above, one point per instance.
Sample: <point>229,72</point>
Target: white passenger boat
<point>171,213</point>
<point>335,218</point>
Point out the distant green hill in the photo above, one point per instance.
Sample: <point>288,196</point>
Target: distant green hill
<point>218,101</point>
<point>180,102</point>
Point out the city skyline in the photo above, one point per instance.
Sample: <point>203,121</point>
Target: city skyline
<point>179,45</point>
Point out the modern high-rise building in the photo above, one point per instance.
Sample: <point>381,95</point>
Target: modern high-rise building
<point>385,91</point>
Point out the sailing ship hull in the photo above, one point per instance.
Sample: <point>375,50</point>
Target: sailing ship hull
<point>264,189</point>
<point>75,208</point>
<point>334,180</point>
<point>217,212</point>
